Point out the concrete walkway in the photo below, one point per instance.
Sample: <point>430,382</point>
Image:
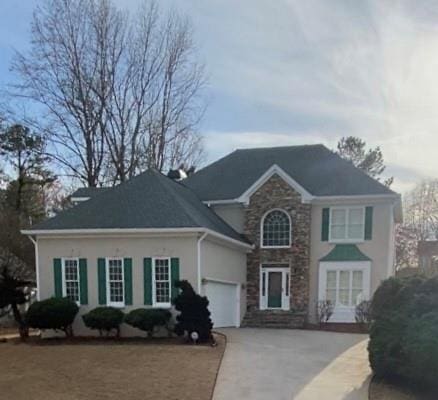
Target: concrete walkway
<point>293,364</point>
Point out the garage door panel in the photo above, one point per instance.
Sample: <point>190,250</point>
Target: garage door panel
<point>223,303</point>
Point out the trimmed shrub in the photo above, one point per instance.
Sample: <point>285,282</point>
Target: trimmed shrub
<point>148,319</point>
<point>420,348</point>
<point>194,314</point>
<point>104,319</point>
<point>404,330</point>
<point>54,313</point>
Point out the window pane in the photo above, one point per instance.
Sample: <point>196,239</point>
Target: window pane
<point>344,288</point>
<point>357,279</point>
<point>338,232</point>
<point>162,281</point>
<point>338,217</point>
<point>344,279</point>
<point>331,279</point>
<point>355,216</point>
<point>115,281</point>
<point>71,279</point>
<point>355,231</point>
<point>276,229</point>
<point>331,295</point>
<point>344,295</point>
<point>357,296</point>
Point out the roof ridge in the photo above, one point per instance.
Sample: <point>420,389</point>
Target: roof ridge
<point>281,147</point>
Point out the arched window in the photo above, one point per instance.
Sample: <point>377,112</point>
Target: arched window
<point>276,229</point>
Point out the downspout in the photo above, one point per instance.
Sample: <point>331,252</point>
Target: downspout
<point>37,269</point>
<point>199,260</point>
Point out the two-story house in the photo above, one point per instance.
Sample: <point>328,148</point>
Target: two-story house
<point>264,233</point>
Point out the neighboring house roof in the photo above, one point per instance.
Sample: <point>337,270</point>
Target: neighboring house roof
<point>345,252</point>
<point>315,168</point>
<point>149,200</point>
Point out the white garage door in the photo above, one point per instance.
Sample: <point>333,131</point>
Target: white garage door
<point>223,298</point>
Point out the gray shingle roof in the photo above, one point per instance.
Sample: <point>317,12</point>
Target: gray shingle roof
<point>88,191</point>
<point>149,200</point>
<point>320,171</point>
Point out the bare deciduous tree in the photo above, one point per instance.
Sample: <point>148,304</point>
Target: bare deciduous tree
<point>121,93</point>
<point>421,210</point>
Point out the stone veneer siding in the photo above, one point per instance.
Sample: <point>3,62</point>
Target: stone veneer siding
<point>276,193</point>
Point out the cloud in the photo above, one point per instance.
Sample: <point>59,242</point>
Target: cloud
<point>305,72</point>
<point>290,72</point>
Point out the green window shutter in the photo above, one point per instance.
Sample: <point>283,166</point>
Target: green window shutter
<point>101,279</point>
<point>147,280</point>
<point>368,223</point>
<point>83,281</point>
<point>325,224</point>
<point>57,275</point>
<point>127,271</point>
<point>174,274</point>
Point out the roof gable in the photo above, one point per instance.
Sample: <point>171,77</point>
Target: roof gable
<point>274,170</point>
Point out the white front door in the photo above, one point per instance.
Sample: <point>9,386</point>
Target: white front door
<point>274,288</point>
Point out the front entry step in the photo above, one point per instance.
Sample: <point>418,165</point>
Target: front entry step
<point>274,319</point>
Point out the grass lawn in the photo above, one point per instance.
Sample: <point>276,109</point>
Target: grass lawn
<point>130,370</point>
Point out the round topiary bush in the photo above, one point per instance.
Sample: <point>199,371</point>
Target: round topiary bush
<point>104,319</point>
<point>54,313</point>
<point>404,330</point>
<point>148,319</point>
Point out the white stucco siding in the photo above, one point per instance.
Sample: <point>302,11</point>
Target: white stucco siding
<point>380,249</point>
<point>92,248</point>
<point>226,264</point>
<point>232,214</point>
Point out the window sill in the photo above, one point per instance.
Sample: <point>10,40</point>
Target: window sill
<point>116,305</point>
<point>275,247</point>
<point>346,241</point>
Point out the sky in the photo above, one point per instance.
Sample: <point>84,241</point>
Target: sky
<point>285,72</point>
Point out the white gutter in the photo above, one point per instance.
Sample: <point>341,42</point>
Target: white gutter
<point>37,265</point>
<point>199,260</point>
<point>121,231</point>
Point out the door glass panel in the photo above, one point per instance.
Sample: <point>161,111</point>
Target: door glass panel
<point>274,289</point>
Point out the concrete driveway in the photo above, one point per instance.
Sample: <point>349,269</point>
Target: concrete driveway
<point>293,364</point>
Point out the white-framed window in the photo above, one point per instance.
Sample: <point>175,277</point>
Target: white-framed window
<point>115,282</point>
<point>161,282</point>
<point>345,284</point>
<point>70,279</point>
<point>347,224</point>
<point>276,229</point>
